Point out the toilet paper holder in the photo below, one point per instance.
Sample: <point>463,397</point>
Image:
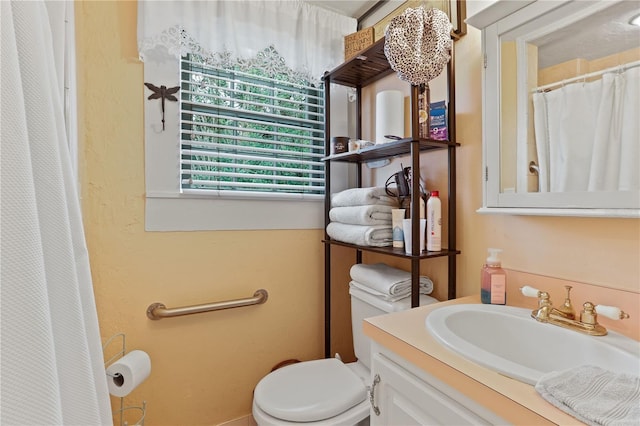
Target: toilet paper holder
<point>120,412</point>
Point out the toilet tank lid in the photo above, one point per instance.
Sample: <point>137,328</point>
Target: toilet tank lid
<point>310,391</point>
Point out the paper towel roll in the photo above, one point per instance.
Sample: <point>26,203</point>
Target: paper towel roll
<point>389,115</point>
<point>128,372</point>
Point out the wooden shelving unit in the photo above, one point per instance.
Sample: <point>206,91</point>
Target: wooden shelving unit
<point>365,68</point>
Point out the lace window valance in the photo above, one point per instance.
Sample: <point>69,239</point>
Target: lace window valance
<point>308,38</point>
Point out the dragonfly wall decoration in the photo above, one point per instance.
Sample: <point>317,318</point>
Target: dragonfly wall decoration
<point>162,93</point>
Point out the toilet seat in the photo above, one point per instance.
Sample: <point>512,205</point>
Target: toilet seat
<point>358,416</point>
<point>310,391</point>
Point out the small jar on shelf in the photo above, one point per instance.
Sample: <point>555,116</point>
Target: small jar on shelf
<point>423,111</point>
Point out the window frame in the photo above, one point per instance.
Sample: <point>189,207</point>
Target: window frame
<point>169,209</point>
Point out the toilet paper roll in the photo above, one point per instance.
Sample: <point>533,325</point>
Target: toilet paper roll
<point>124,375</point>
<point>389,115</point>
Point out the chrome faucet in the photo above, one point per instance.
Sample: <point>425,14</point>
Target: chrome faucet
<point>565,316</point>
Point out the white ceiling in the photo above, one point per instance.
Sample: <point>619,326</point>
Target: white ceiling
<point>596,36</point>
<point>352,8</point>
<point>358,8</point>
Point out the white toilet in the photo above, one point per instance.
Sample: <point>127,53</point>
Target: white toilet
<point>326,391</point>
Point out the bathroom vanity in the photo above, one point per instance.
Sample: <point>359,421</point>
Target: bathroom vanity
<point>422,382</point>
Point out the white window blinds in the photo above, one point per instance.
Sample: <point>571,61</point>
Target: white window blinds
<point>246,130</point>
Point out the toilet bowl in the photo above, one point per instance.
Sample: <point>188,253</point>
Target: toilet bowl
<point>326,391</point>
<point>318,392</point>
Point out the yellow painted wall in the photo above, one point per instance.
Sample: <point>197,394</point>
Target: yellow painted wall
<point>205,366</point>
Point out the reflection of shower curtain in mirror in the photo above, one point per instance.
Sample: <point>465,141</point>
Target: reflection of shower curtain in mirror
<point>588,134</point>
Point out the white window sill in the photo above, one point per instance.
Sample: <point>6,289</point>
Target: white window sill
<point>179,213</point>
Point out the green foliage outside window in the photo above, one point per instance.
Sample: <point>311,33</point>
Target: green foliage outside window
<point>248,129</point>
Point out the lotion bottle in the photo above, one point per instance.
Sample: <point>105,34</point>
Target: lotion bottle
<point>434,222</point>
<point>494,280</point>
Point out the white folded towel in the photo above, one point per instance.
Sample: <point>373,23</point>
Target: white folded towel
<point>386,297</point>
<point>593,395</point>
<point>384,279</point>
<point>398,305</point>
<point>373,214</point>
<point>362,197</point>
<point>372,235</point>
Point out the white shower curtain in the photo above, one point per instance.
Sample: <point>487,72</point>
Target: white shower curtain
<point>51,366</point>
<point>628,175</point>
<point>587,134</point>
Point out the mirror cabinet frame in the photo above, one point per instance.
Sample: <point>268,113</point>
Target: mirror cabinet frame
<point>500,18</point>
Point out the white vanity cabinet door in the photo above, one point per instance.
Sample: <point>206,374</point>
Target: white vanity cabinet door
<point>405,399</point>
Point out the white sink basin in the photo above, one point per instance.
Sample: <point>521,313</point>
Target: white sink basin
<point>507,340</point>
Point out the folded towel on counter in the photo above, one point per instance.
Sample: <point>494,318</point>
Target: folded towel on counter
<point>398,305</point>
<point>387,297</point>
<point>593,395</point>
<point>384,279</point>
<point>372,235</point>
<point>374,214</point>
<point>362,197</point>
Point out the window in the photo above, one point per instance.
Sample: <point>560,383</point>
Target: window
<point>250,131</point>
<point>242,146</point>
<point>241,149</point>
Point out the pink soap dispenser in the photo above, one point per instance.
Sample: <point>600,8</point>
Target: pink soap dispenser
<point>494,280</point>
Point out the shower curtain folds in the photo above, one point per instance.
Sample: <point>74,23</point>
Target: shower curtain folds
<point>51,364</point>
<point>588,135</point>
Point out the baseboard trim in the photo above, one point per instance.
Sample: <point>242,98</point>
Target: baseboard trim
<point>240,421</point>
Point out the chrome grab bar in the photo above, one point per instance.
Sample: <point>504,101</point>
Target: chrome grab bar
<point>157,311</point>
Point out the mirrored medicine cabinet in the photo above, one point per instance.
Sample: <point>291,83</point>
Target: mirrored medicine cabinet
<point>561,107</point>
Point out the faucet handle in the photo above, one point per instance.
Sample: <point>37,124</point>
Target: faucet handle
<point>611,312</point>
<point>529,291</point>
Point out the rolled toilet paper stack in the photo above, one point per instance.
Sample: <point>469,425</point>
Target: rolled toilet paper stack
<point>126,374</point>
<point>389,115</point>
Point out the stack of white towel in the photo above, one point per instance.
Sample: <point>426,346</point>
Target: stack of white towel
<point>362,216</point>
<point>387,283</point>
